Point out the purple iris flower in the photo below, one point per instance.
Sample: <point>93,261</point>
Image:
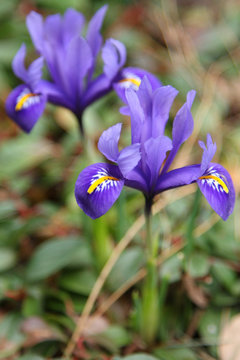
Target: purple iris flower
<point>71,61</point>
<point>145,163</point>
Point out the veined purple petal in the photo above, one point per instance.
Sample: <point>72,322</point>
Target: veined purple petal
<point>155,150</point>
<point>97,188</point>
<point>136,180</point>
<point>178,177</point>
<point>35,27</point>
<point>77,63</point>
<point>108,142</point>
<point>35,73</point>
<point>53,29</point>
<point>18,64</point>
<point>182,128</point>
<point>96,89</point>
<point>217,187</point>
<point>94,37</point>
<point>128,159</point>
<point>208,152</point>
<point>183,122</point>
<point>131,77</point>
<point>73,22</point>
<point>53,93</point>
<point>114,57</point>
<point>144,95</point>
<point>24,107</point>
<point>162,102</point>
<point>137,115</point>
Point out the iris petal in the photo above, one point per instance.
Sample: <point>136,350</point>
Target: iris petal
<point>156,149</point>
<point>162,102</point>
<point>35,27</point>
<point>128,159</point>
<point>72,24</point>
<point>97,188</point>
<point>182,128</point>
<point>114,57</point>
<point>94,37</point>
<point>131,77</point>
<point>108,142</point>
<point>18,64</point>
<point>24,107</point>
<point>217,187</point>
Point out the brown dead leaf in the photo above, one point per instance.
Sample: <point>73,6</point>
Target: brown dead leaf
<point>95,325</point>
<point>36,330</point>
<point>230,340</point>
<point>195,293</point>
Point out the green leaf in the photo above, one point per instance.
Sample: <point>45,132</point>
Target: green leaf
<point>126,267</point>
<point>198,265</point>
<point>50,257</point>
<point>172,269</point>
<point>80,281</point>
<point>117,336</point>
<point>209,328</point>
<point>224,275</point>
<point>31,357</point>
<point>7,209</point>
<point>175,354</point>
<point>7,258</point>
<point>139,356</point>
<point>21,153</point>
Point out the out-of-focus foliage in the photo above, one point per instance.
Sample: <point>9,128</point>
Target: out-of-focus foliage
<point>49,259</point>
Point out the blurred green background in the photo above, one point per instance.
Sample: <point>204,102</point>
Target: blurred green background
<point>51,253</point>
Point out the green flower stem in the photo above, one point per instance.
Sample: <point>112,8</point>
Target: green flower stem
<point>81,127</point>
<point>149,316</point>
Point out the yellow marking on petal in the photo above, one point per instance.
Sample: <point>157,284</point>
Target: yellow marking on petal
<point>22,101</point>
<point>132,80</point>
<point>219,181</point>
<point>98,182</point>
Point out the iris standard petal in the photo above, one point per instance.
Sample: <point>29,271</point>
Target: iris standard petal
<point>72,25</point>
<point>53,29</point>
<point>35,27</point>
<point>182,128</point>
<point>155,152</point>
<point>93,36</point>
<point>24,107</point>
<point>18,64</point>
<point>137,115</point>
<point>217,187</point>
<point>144,95</point>
<point>34,73</point>
<point>114,57</point>
<point>108,142</point>
<point>162,102</point>
<point>208,152</point>
<point>97,188</point>
<point>77,63</point>
<point>128,159</point>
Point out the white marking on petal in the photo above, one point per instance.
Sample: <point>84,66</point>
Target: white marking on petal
<point>26,99</point>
